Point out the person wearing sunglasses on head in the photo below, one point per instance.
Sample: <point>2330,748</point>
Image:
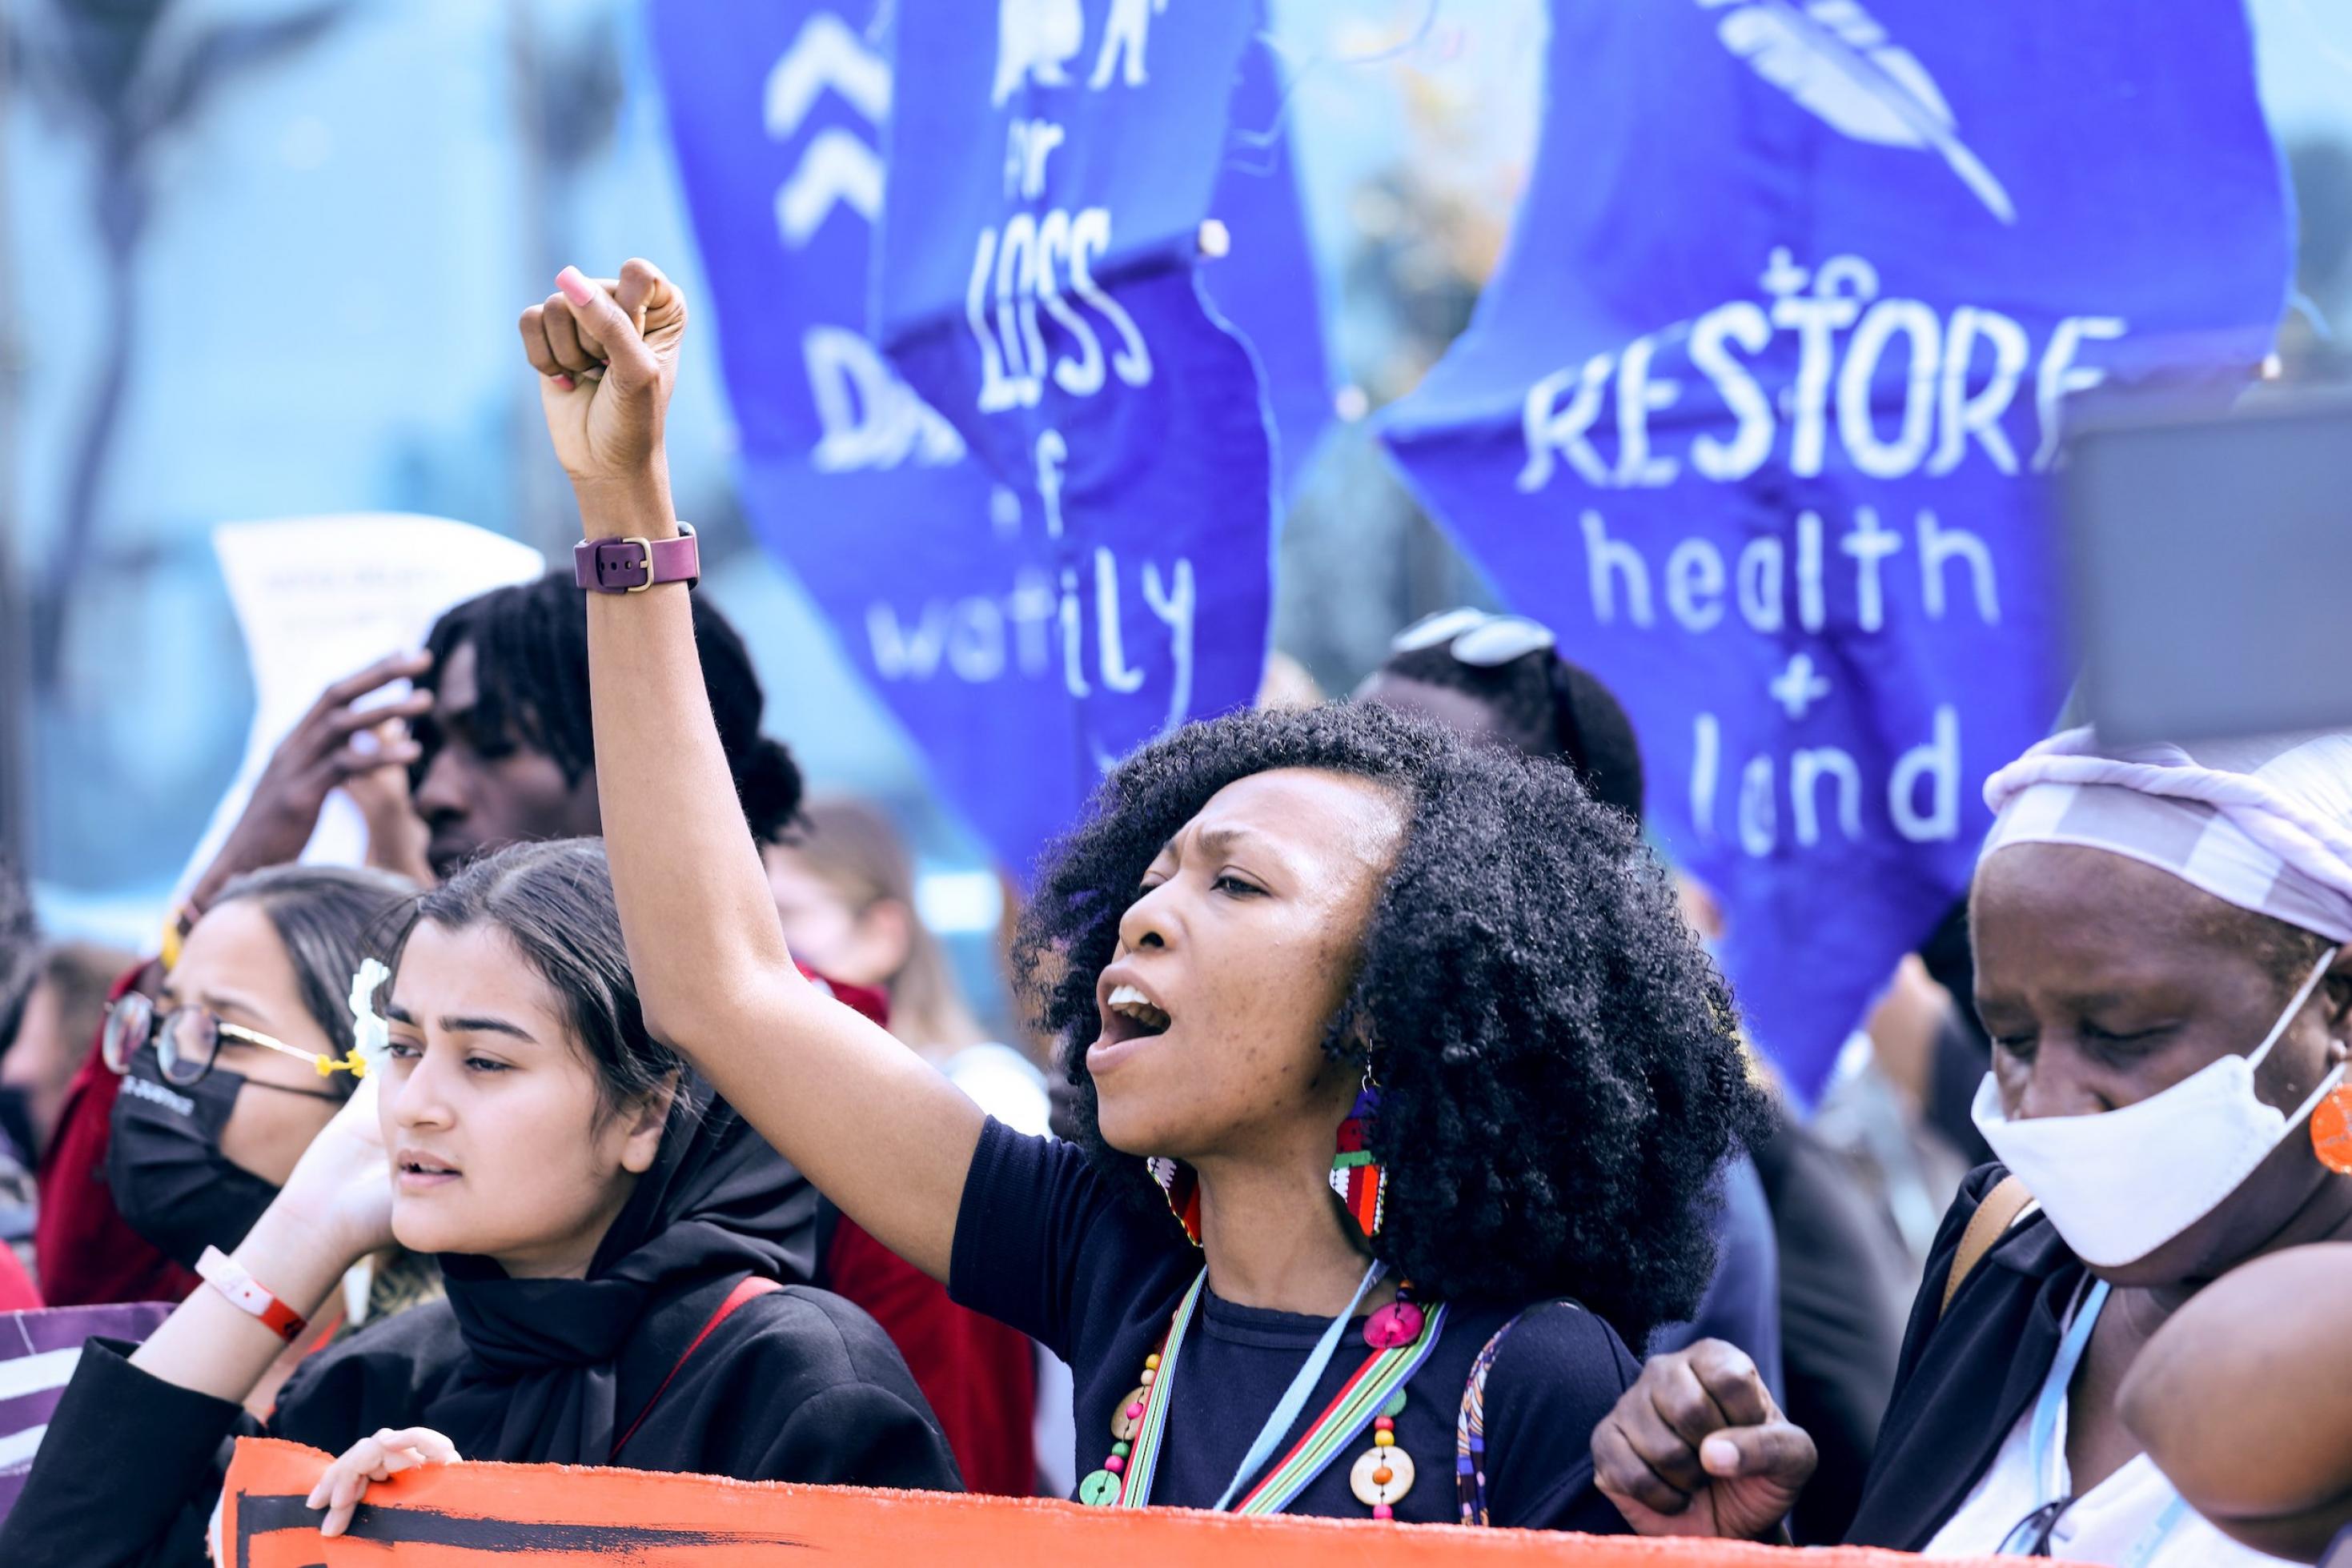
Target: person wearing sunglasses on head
<point>1809,1284</point>
<point>2163,940</point>
<point>1500,679</point>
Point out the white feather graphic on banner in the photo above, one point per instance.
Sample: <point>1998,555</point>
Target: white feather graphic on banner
<point>1833,57</point>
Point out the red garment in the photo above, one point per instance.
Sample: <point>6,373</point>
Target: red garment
<point>84,1251</point>
<point>16,1292</point>
<point>978,1374</point>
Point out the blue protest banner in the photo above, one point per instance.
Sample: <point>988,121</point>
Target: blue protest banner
<point>1037,282</point>
<point>943,584</point>
<point>1754,409</point>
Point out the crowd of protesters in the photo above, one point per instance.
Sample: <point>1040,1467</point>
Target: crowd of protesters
<point>1382,1144</point>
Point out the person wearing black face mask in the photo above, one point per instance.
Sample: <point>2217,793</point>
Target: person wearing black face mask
<point>247,1055</point>
<point>170,1179</point>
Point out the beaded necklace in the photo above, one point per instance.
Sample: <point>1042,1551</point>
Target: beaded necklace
<point>1401,1336</point>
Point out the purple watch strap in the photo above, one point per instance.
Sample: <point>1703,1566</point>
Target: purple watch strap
<point>633,564</point>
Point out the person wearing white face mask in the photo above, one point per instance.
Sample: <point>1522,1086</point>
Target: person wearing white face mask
<point>2164,961</point>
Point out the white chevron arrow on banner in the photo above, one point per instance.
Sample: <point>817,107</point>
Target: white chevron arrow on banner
<point>826,54</point>
<point>836,168</point>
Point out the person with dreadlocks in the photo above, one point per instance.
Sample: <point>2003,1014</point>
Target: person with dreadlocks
<point>505,753</point>
<point>1435,1077</point>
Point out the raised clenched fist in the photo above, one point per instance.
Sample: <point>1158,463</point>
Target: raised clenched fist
<point>607,351</point>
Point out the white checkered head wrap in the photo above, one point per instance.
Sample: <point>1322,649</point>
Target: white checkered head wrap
<point>2263,823</point>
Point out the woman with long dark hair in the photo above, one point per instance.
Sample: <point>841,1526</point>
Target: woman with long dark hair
<point>610,1234</point>
<point>1433,1075</point>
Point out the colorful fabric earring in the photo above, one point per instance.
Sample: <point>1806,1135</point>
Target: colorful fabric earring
<point>1360,1179</point>
<point>2331,1129</point>
<point>1181,1185</point>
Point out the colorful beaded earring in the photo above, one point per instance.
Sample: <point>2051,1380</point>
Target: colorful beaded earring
<point>1360,1178</point>
<point>2331,1129</point>
<point>1181,1185</point>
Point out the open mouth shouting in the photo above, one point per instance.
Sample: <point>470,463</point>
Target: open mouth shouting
<point>1131,1017</point>
<point>415,1171</point>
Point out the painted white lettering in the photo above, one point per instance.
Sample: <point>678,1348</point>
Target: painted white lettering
<point>1552,433</point>
<point>1028,144</point>
<point>1637,396</point>
<point>1016,309</point>
<point>1815,322</point>
<point>1806,769</point>
<point>1127,30</point>
<point>1030,608</point>
<point>976,640</point>
<point>1053,452</point>
<point>1936,764</point>
<point>1695,584</point>
<point>1176,602</point>
<point>1116,672</point>
<point>1759,823</point>
<point>1813,607</point>
<point>1962,414</point>
<point>2060,377</point>
<point>1763,570</point>
<point>1074,638</point>
<point>1939,544</point>
<point>1604,556</point>
<point>1083,377</point>
<point>997,391</point>
<point>871,419</point>
<point>1706,769</point>
<point>1743,323</point>
<point>1090,237</point>
<point>899,656</point>
<point>1868,542</point>
<point>1857,386</point>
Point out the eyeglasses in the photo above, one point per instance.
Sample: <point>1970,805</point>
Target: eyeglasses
<point>1474,637</point>
<point>188,1039</point>
<point>2029,1537</point>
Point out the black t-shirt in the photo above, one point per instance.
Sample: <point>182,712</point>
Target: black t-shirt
<point>1044,1245</point>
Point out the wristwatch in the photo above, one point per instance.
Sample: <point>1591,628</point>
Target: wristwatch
<point>633,564</point>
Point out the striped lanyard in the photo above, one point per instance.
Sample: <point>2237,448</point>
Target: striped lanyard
<point>1351,1410</point>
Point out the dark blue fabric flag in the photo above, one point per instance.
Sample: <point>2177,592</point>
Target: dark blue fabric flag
<point>1038,283</point>
<point>1753,412</point>
<point>985,635</point>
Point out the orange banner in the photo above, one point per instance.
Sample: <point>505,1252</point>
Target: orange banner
<point>548,1516</point>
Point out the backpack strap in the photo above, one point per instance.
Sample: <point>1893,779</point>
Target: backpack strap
<point>2002,1209</point>
<point>746,1288</point>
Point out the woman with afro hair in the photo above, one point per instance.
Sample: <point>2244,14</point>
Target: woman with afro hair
<point>1432,1077</point>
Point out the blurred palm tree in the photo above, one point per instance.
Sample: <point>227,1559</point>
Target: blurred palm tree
<point>113,72</point>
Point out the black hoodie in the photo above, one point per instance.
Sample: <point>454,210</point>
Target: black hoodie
<point>796,1384</point>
